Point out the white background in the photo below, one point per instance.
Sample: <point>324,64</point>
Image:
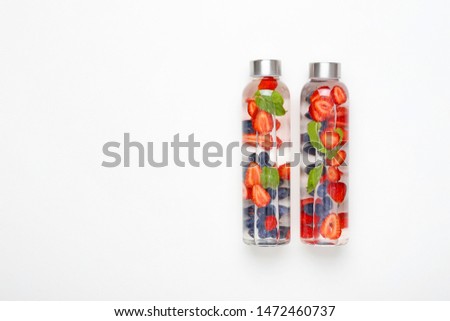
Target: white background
<point>77,74</point>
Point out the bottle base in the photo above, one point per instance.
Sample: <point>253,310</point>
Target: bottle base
<point>325,243</point>
<point>267,242</point>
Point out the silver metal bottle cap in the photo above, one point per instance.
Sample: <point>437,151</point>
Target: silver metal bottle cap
<point>265,67</point>
<point>330,70</point>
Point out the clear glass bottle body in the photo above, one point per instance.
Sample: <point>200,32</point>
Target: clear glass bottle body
<point>266,152</point>
<point>324,167</point>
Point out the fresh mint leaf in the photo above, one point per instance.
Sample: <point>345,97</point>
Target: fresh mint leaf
<point>313,133</point>
<point>270,177</point>
<point>272,104</point>
<point>314,178</point>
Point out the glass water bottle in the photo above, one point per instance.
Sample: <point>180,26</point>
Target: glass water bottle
<point>266,152</point>
<point>324,107</point>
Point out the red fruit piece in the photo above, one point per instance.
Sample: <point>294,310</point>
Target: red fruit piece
<point>343,219</point>
<point>338,118</point>
<point>331,228</point>
<point>308,231</point>
<point>285,171</point>
<point>330,139</point>
<point>321,108</point>
<point>306,201</point>
<point>246,192</point>
<point>338,159</point>
<point>277,124</point>
<point>309,219</point>
<point>265,141</point>
<point>268,83</point>
<point>260,196</point>
<point>270,223</point>
<point>252,109</point>
<point>333,174</point>
<point>337,191</point>
<point>252,176</point>
<point>323,91</point>
<point>338,94</point>
<point>263,122</point>
<point>279,142</point>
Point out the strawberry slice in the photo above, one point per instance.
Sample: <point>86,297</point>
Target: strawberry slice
<point>268,83</point>
<point>285,171</point>
<point>263,122</point>
<point>338,118</point>
<point>338,94</point>
<point>252,108</point>
<point>270,223</point>
<point>333,174</point>
<point>308,231</point>
<point>321,108</point>
<point>265,141</point>
<point>338,159</point>
<point>277,124</point>
<point>279,142</point>
<point>323,91</point>
<point>246,192</point>
<point>343,219</point>
<point>252,176</point>
<point>260,196</point>
<point>337,191</point>
<point>331,228</point>
<point>309,219</point>
<point>330,138</point>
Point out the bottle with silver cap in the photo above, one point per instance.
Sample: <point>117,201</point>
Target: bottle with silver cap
<point>324,104</point>
<point>266,154</point>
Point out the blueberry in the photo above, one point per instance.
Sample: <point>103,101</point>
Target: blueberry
<point>327,203</point>
<point>281,182</point>
<point>322,190</point>
<point>250,211</point>
<point>266,211</point>
<point>308,148</point>
<point>262,234</point>
<point>283,210</point>
<point>247,127</point>
<point>283,192</point>
<point>304,138</point>
<point>251,232</point>
<point>272,192</point>
<point>309,208</point>
<point>273,233</point>
<point>252,157</point>
<point>307,115</point>
<point>320,210</point>
<point>250,222</point>
<point>264,159</point>
<point>284,231</point>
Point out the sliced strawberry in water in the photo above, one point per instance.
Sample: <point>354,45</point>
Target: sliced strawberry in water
<point>331,228</point>
<point>338,118</point>
<point>338,159</point>
<point>339,95</point>
<point>263,122</point>
<point>337,191</point>
<point>279,142</point>
<point>330,138</point>
<point>265,141</point>
<point>277,124</point>
<point>306,231</point>
<point>260,196</point>
<point>268,83</point>
<point>252,109</point>
<point>252,176</point>
<point>333,174</point>
<point>285,171</point>
<point>343,219</point>
<point>309,219</point>
<point>321,108</point>
<point>246,192</point>
<point>270,223</point>
<point>323,91</point>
